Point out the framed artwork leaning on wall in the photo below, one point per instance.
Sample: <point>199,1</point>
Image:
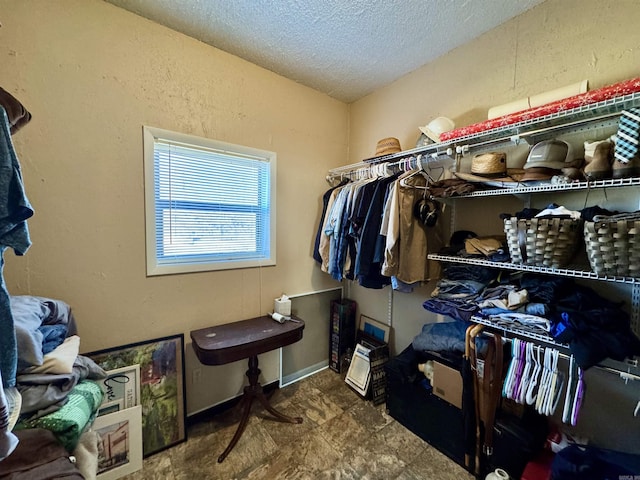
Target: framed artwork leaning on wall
<point>162,388</point>
<point>119,443</point>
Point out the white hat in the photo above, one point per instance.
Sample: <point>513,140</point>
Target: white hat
<point>436,127</point>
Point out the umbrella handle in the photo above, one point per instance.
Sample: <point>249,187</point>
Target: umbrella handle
<point>467,343</point>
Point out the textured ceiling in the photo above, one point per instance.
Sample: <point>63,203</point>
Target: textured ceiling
<point>344,48</point>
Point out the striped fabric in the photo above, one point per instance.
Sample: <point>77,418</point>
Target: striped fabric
<point>628,135</point>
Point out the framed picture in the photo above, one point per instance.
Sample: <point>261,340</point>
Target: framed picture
<point>359,373</point>
<point>374,329</point>
<point>121,389</point>
<point>162,388</point>
<point>119,443</point>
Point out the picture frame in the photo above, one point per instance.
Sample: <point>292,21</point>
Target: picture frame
<point>119,443</point>
<point>121,389</point>
<point>374,329</point>
<point>359,373</point>
<point>162,387</point>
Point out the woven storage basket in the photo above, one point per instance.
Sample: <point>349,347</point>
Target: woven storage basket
<point>613,247</point>
<point>546,242</point>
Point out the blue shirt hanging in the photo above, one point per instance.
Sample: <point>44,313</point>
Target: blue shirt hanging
<point>15,209</point>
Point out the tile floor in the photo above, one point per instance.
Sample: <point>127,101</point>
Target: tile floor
<point>342,437</point>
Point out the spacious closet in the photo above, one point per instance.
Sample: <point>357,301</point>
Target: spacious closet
<point>601,263</point>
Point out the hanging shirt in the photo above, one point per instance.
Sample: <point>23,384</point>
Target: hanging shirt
<point>15,209</point>
<point>406,246</point>
<point>333,227</point>
<point>320,233</point>
<point>368,265</point>
<point>325,239</point>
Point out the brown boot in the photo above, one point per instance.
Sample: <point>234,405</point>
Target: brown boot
<point>625,170</point>
<point>597,158</point>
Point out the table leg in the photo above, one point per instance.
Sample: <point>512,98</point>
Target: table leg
<point>246,405</point>
<point>280,416</point>
<point>253,390</point>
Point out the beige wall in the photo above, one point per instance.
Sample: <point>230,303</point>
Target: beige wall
<point>557,43</point>
<point>92,75</point>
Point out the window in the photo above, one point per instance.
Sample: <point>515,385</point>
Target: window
<point>209,205</point>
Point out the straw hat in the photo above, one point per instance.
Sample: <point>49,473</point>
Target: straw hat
<point>387,146</point>
<point>488,167</point>
<point>490,164</point>
<point>436,127</point>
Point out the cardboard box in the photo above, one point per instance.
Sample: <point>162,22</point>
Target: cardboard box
<point>447,384</point>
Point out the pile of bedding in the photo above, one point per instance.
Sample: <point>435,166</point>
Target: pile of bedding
<point>54,381</point>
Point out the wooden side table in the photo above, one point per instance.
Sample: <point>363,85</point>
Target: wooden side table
<point>246,339</point>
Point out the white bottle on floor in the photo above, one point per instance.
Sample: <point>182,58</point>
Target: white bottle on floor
<point>497,474</point>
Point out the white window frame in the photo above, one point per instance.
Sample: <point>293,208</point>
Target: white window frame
<point>156,266</point>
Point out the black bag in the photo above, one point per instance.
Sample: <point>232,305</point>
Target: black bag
<point>516,441</point>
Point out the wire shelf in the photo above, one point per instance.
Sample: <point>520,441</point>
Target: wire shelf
<point>525,189</point>
<point>565,272</point>
<point>518,332</point>
<point>584,113</point>
<point>594,112</point>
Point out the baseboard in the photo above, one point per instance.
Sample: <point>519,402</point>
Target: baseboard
<point>304,373</point>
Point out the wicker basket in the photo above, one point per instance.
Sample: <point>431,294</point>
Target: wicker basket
<point>546,242</point>
<point>613,247</point>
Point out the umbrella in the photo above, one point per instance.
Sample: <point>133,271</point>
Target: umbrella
<point>469,400</point>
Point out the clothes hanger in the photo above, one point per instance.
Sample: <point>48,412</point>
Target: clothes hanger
<point>557,384</point>
<point>418,169</point>
<point>526,378</point>
<point>551,383</point>
<point>516,370</point>
<point>519,371</point>
<point>542,390</point>
<point>531,390</point>
<point>508,381</point>
<point>515,374</point>
<point>578,398</point>
<point>566,412</point>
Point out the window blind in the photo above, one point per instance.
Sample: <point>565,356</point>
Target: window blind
<point>212,207</point>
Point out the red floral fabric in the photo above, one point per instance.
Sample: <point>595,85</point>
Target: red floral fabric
<point>587,98</point>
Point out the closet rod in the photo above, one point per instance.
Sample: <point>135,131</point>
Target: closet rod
<point>412,160</point>
<point>364,170</point>
<point>622,374</point>
<point>465,149</point>
<point>362,165</point>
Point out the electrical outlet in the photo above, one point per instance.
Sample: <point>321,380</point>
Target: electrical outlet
<point>196,375</point>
